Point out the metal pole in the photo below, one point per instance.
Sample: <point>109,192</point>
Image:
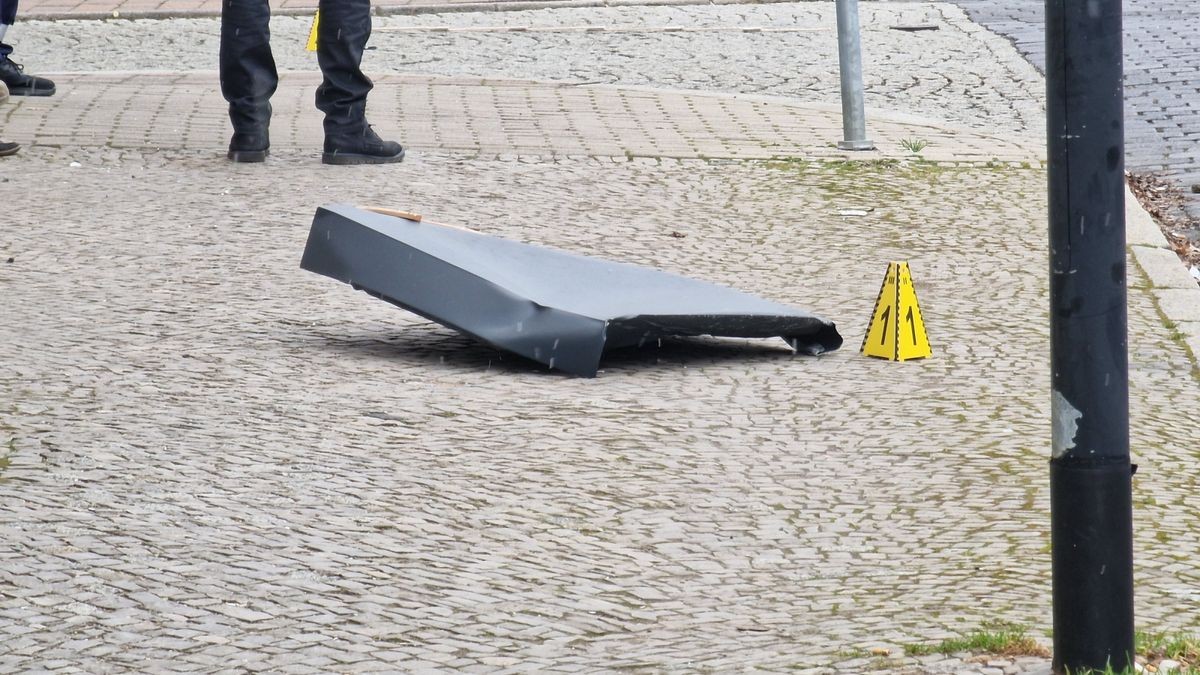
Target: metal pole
<point>854,120</point>
<point>1091,515</point>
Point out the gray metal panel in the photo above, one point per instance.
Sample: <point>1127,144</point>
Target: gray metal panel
<point>557,308</point>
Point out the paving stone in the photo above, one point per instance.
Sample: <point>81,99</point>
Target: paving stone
<point>1181,304</point>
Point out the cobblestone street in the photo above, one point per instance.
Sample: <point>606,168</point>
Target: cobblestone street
<point>213,461</point>
<point>1162,102</point>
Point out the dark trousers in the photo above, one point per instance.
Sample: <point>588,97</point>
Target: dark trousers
<point>249,77</point>
<point>8,15</point>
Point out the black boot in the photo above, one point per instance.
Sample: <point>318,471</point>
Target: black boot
<point>249,146</point>
<point>7,148</point>
<point>20,84</point>
<point>363,147</point>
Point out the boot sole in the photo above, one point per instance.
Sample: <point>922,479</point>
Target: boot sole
<point>248,156</point>
<point>346,158</point>
<point>25,91</point>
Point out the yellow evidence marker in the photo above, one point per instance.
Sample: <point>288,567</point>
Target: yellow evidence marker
<point>312,33</point>
<point>897,331</point>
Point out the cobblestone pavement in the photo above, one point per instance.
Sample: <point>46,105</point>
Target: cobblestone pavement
<point>214,459</point>
<point>203,469</point>
<point>1160,38</point>
<point>960,74</point>
<point>211,460</point>
<point>1162,98</point>
<point>489,117</point>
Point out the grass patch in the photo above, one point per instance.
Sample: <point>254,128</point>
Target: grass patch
<point>1107,671</point>
<point>1004,639</point>
<point>6,456</point>
<point>1175,646</point>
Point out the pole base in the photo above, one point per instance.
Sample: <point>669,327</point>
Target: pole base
<point>856,145</point>
<point>1091,532</point>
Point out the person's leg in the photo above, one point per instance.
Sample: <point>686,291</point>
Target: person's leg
<point>8,16</point>
<point>13,74</point>
<point>6,148</point>
<point>248,76</point>
<point>342,35</point>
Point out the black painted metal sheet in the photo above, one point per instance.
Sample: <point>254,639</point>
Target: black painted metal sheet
<point>561,309</point>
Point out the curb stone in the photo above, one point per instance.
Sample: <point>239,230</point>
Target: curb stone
<point>1174,290</point>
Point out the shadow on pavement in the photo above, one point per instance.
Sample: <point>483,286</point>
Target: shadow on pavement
<point>425,345</point>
